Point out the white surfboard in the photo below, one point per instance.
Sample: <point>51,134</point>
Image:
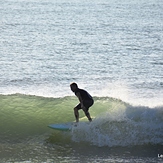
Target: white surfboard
<point>62,126</point>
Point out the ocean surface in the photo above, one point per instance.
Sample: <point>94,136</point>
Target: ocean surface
<point>111,48</point>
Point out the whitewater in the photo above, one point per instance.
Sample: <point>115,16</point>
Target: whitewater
<point>112,49</point>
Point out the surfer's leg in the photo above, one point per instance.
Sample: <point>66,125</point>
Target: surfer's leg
<point>87,114</point>
<point>76,113</point>
<point>87,104</point>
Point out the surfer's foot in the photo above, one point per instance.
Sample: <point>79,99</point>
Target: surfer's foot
<point>90,119</point>
<point>76,124</point>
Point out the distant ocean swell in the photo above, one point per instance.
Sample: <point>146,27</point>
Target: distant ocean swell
<point>24,118</point>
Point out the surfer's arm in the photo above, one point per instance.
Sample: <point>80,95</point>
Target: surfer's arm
<point>80,99</point>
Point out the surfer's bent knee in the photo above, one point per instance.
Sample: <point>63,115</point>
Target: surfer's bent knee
<point>75,109</point>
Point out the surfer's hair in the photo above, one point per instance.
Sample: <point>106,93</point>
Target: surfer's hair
<point>74,85</point>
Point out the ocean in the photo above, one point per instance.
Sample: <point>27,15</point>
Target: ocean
<point>111,48</point>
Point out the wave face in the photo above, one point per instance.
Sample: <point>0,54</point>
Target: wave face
<point>24,118</point>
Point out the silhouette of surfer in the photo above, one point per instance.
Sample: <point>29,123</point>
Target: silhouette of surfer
<point>86,101</point>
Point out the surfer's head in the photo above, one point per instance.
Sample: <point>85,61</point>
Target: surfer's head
<point>73,87</point>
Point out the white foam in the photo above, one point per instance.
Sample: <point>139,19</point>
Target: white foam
<point>123,127</point>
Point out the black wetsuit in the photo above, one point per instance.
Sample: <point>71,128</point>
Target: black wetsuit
<point>86,97</point>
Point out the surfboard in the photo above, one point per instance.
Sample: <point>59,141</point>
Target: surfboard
<point>62,126</point>
<point>67,126</point>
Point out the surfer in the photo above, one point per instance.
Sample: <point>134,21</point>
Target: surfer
<point>85,99</point>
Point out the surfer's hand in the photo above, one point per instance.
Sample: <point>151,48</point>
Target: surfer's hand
<point>83,107</point>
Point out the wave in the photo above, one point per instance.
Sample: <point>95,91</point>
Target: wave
<point>124,127</point>
<point>115,123</point>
